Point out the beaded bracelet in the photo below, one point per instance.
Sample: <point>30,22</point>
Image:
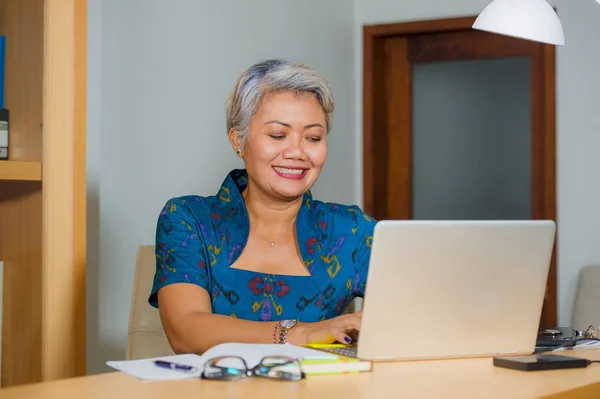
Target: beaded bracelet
<point>275,332</point>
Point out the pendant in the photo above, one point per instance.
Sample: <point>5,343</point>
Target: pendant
<point>272,243</point>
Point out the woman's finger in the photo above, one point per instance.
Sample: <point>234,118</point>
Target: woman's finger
<point>352,323</point>
<point>354,335</point>
<point>340,335</point>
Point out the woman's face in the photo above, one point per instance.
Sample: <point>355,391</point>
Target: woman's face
<point>286,146</point>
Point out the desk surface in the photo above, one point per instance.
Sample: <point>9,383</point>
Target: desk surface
<point>464,378</point>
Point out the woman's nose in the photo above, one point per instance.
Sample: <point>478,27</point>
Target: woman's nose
<point>294,149</point>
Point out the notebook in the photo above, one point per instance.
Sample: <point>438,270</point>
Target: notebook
<point>313,362</point>
<point>342,365</point>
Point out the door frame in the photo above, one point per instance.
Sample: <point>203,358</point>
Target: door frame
<point>377,139</point>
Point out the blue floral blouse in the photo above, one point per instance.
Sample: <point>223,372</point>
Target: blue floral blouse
<point>199,238</point>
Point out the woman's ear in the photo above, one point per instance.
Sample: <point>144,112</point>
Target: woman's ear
<point>234,139</point>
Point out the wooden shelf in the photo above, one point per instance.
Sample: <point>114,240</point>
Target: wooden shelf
<point>17,170</point>
<point>42,208</point>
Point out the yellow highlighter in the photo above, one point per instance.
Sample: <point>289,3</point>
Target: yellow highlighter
<point>317,346</point>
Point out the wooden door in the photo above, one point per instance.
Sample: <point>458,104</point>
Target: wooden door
<point>392,53</point>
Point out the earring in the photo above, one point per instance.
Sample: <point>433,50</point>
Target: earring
<point>238,152</point>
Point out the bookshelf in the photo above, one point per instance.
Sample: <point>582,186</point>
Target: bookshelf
<point>20,171</point>
<point>43,191</point>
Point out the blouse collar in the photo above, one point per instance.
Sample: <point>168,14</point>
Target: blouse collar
<point>235,217</point>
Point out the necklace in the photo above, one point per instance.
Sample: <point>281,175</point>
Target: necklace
<point>271,242</point>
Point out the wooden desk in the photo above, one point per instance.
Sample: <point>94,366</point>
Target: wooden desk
<point>473,378</point>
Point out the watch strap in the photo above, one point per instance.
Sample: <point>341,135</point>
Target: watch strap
<point>282,329</point>
<point>282,337</point>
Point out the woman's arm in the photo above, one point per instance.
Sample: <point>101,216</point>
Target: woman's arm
<point>181,288</point>
<point>190,326</point>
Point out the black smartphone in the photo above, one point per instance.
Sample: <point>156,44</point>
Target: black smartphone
<point>540,362</point>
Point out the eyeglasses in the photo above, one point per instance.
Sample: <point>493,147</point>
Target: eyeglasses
<point>233,368</point>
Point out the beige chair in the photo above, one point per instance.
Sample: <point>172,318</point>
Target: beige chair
<point>586,307</point>
<point>146,337</point>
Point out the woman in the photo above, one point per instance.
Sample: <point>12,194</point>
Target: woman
<point>261,261</point>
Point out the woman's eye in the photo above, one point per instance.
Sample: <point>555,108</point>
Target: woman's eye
<point>277,136</point>
<point>314,139</point>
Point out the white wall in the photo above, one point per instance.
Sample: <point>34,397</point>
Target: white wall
<point>578,123</point>
<point>159,75</point>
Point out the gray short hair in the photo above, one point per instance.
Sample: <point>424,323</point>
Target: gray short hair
<point>270,76</point>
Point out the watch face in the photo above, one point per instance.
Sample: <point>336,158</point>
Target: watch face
<point>288,323</point>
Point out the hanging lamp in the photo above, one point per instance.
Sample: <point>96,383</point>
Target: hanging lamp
<point>532,20</point>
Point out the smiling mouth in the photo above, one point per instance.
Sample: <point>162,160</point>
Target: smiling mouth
<point>289,171</point>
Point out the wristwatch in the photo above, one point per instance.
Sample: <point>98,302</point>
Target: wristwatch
<point>284,327</point>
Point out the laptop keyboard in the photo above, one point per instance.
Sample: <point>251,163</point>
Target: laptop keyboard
<point>349,351</point>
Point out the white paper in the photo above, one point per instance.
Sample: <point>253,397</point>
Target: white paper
<point>582,344</point>
<point>145,369</point>
<point>252,353</point>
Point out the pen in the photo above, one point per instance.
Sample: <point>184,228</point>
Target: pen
<point>174,366</point>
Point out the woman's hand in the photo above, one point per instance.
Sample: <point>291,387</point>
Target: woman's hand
<point>341,329</point>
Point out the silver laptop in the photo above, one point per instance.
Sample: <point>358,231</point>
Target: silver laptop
<point>455,289</point>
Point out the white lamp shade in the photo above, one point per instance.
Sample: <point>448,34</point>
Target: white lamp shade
<point>532,20</point>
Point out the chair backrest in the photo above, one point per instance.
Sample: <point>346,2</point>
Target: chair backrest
<point>586,307</point>
<point>146,336</point>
